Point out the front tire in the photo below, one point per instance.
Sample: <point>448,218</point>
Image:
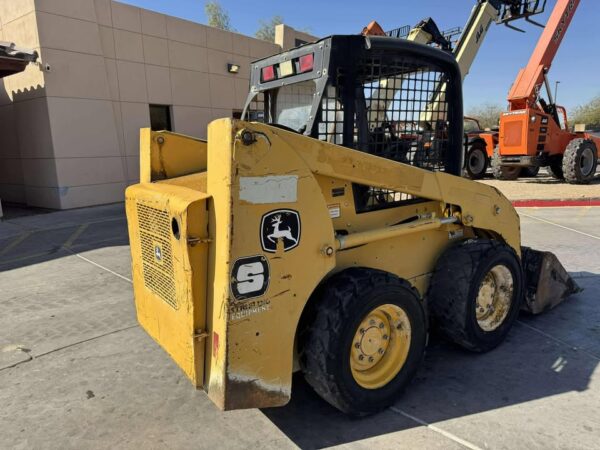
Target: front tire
<point>580,161</point>
<point>476,293</point>
<point>505,173</point>
<point>363,340</point>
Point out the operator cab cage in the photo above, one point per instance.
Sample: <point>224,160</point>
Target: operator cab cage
<point>381,95</point>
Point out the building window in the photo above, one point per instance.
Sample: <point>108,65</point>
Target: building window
<point>160,118</point>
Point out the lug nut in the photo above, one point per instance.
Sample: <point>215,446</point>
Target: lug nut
<point>385,337</point>
<point>381,325</point>
<point>380,351</point>
<point>361,357</point>
<point>357,345</point>
<point>362,331</point>
<point>371,322</point>
<point>371,359</point>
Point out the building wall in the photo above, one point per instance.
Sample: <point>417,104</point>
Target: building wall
<point>21,97</point>
<point>288,37</point>
<point>71,124</point>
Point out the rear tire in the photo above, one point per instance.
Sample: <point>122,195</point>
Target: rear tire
<point>555,170</point>
<point>530,172</point>
<point>501,172</point>
<point>477,161</point>
<point>334,334</point>
<point>476,292</point>
<point>580,161</point>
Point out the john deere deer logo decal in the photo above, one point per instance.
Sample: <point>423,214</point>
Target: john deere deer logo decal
<point>282,224</point>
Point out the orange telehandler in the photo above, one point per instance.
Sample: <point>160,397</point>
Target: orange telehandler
<point>535,132</point>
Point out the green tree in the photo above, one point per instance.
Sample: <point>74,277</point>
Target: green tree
<point>217,16</point>
<point>488,114</point>
<point>266,31</point>
<point>588,114</point>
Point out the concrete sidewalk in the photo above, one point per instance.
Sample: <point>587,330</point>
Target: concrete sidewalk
<point>544,187</point>
<point>77,372</point>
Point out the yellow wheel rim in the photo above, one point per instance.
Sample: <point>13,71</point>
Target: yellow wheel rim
<point>380,346</point>
<point>494,298</point>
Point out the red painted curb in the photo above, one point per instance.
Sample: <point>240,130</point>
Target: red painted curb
<point>555,203</point>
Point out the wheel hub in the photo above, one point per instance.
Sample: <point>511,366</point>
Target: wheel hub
<point>380,346</point>
<point>494,298</point>
<point>586,162</point>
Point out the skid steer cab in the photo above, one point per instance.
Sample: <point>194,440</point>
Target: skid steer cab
<point>323,231</point>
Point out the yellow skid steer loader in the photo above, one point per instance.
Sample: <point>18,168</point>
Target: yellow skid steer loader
<point>320,235</point>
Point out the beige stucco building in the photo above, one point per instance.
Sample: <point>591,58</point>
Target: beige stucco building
<point>70,124</point>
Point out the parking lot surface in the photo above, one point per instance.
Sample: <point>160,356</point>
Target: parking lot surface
<point>544,187</point>
<point>77,372</point>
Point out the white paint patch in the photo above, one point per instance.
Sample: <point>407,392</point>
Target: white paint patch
<point>270,189</point>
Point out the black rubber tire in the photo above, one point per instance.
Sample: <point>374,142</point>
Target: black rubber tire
<point>476,149</point>
<point>328,329</point>
<point>501,172</point>
<point>571,163</point>
<point>530,172</point>
<point>454,287</point>
<point>555,170</point>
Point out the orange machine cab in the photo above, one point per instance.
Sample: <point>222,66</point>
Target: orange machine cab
<point>531,132</point>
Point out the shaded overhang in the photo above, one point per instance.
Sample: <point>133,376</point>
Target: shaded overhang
<point>14,59</point>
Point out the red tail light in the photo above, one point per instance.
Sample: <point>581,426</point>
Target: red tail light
<point>268,73</point>
<point>307,63</point>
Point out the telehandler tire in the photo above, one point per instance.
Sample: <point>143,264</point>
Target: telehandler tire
<point>476,292</point>
<point>363,339</point>
<point>555,170</point>
<point>501,172</point>
<point>530,172</point>
<point>477,161</point>
<point>580,161</point>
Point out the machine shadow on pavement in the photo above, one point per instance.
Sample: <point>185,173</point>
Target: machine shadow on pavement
<point>542,357</point>
<point>34,239</point>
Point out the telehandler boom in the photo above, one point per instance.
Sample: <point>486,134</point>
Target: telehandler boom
<point>535,132</point>
<point>313,238</point>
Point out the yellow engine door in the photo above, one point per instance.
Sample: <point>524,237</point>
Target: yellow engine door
<point>168,232</point>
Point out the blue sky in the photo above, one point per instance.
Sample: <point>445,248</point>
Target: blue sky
<point>577,65</point>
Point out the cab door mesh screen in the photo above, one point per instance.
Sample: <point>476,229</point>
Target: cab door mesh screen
<point>400,112</point>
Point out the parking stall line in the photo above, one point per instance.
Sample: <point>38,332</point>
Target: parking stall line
<point>559,341</point>
<point>69,243</point>
<point>100,266</point>
<point>15,243</point>
<point>438,430</point>
<point>560,226</point>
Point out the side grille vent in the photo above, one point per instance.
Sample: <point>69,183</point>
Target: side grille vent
<point>157,254</point>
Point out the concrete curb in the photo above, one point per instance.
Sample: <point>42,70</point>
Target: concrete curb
<point>555,203</point>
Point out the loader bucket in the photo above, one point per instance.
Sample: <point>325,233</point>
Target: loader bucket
<point>547,281</point>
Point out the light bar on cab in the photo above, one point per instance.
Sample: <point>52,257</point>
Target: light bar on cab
<point>303,64</point>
